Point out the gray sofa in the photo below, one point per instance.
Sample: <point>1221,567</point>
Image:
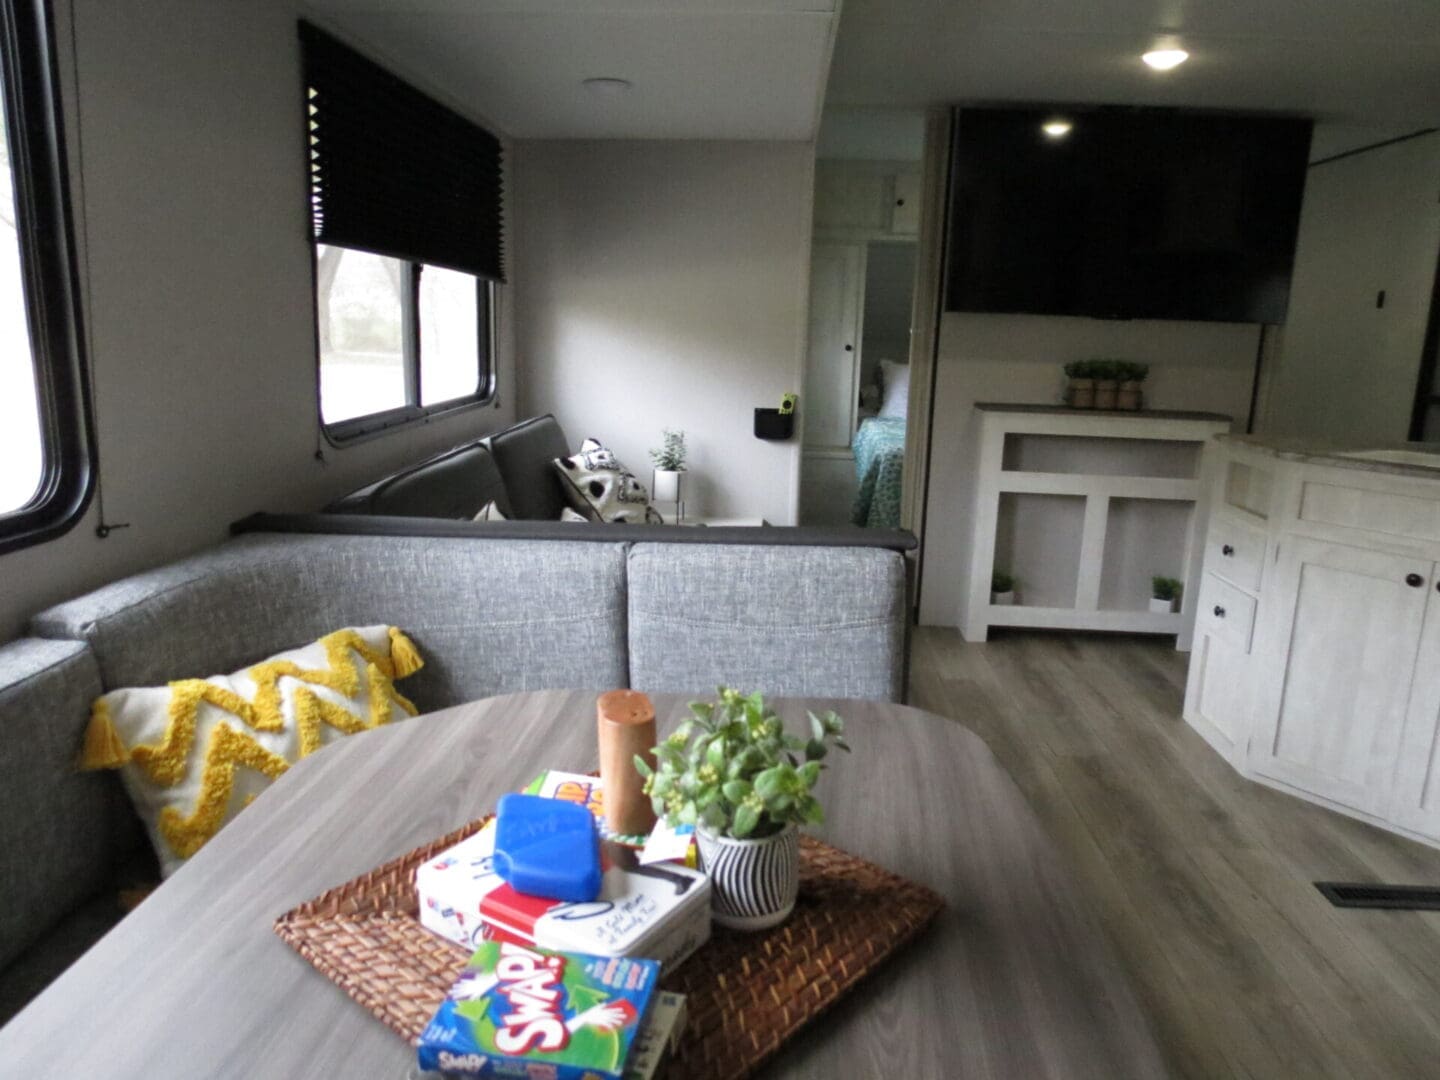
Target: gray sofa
<point>493,609</point>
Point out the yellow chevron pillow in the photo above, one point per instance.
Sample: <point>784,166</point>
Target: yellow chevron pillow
<point>195,753</point>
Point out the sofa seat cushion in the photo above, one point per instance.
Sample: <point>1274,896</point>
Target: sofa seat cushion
<point>63,834</point>
<point>61,946</point>
<point>489,616</point>
<point>524,455</point>
<point>803,622</point>
<point>195,752</point>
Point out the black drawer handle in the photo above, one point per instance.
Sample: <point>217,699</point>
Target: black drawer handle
<point>1227,551</point>
<point>1219,612</point>
<point>1414,580</point>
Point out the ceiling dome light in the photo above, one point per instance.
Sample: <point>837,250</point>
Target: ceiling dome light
<point>1057,127</point>
<point>1165,59</point>
<point>607,85</point>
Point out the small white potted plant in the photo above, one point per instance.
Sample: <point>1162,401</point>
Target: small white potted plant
<point>734,772</point>
<point>669,459</point>
<point>1002,589</point>
<point>1164,594</point>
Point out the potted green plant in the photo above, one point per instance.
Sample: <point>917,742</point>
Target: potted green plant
<point>669,460</point>
<point>1164,594</point>
<point>1132,380</point>
<point>1002,589</point>
<point>734,772</point>
<point>1081,391</point>
<point>1107,382</point>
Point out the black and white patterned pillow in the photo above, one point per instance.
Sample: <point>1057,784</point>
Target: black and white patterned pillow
<point>598,486</point>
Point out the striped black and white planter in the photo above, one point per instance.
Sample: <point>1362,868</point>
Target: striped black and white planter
<point>753,883</point>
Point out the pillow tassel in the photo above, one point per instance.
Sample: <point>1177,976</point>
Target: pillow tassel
<point>103,748</point>
<point>403,654</point>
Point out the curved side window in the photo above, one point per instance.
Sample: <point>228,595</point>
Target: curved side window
<point>46,449</point>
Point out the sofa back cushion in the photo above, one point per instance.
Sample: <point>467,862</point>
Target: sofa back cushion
<point>800,621</point>
<point>525,455</point>
<point>63,833</point>
<point>489,616</point>
<point>455,484</point>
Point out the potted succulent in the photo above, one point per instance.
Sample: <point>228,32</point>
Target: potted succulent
<point>734,772</point>
<point>669,459</point>
<point>1132,379</point>
<point>1107,382</point>
<point>1081,392</point>
<point>1164,594</point>
<point>1002,589</point>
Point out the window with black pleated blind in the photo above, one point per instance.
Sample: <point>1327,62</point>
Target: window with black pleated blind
<point>407,222</point>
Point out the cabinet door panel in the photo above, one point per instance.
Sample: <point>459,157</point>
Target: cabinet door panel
<point>1217,698</point>
<point>1338,652</point>
<point>905,215</point>
<point>1417,774</point>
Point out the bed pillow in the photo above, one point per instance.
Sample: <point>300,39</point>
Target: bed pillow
<point>195,753</point>
<point>600,488</point>
<point>570,516</point>
<point>895,379</point>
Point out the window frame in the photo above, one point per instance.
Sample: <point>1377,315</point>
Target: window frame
<point>359,428</point>
<point>43,223</point>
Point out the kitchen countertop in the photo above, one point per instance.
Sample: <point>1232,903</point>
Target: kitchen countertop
<point>1340,455</point>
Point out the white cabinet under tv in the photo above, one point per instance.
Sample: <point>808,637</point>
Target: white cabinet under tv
<point>1084,508</point>
<point>1317,669</point>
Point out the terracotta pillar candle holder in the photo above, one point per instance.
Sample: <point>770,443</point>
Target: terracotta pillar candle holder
<point>626,727</point>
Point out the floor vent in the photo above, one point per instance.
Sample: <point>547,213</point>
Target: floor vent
<point>1396,897</point>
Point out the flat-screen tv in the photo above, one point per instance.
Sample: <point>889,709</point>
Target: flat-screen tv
<point>1134,213</point>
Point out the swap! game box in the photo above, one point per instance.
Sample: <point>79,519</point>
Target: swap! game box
<point>520,1011</point>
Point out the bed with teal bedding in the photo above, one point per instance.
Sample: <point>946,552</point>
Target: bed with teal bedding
<point>879,448</point>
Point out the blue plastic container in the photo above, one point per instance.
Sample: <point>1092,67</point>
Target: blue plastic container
<point>547,847</point>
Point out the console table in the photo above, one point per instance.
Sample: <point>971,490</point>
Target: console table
<point>1014,978</point>
<point>1084,507</point>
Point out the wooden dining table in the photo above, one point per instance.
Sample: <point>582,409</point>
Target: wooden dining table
<point>1014,980</point>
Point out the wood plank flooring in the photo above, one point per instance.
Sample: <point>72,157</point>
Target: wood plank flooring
<point>1202,879</point>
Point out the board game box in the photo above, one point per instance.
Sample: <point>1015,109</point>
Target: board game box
<point>519,1011</point>
<point>659,911</point>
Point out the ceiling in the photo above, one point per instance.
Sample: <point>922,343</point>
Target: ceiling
<point>757,69</point>
<point>716,69</point>
<point>1365,62</point>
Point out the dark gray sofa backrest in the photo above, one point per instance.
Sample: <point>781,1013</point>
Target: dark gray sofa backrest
<point>455,485</point>
<point>62,832</point>
<point>489,616</point>
<point>525,455</point>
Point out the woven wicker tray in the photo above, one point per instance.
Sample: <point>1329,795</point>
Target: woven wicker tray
<point>747,992</point>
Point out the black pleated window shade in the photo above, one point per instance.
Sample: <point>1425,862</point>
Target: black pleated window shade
<point>394,172</point>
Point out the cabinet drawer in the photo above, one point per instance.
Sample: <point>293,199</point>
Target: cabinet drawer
<point>1226,612</point>
<point>1236,552</point>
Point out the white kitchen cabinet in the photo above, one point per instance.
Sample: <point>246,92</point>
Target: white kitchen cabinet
<point>1337,652</point>
<point>1316,666</point>
<point>867,199</point>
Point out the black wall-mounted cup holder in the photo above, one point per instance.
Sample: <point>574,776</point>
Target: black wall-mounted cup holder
<point>774,425</point>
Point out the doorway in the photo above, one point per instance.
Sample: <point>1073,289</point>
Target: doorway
<point>854,399</point>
